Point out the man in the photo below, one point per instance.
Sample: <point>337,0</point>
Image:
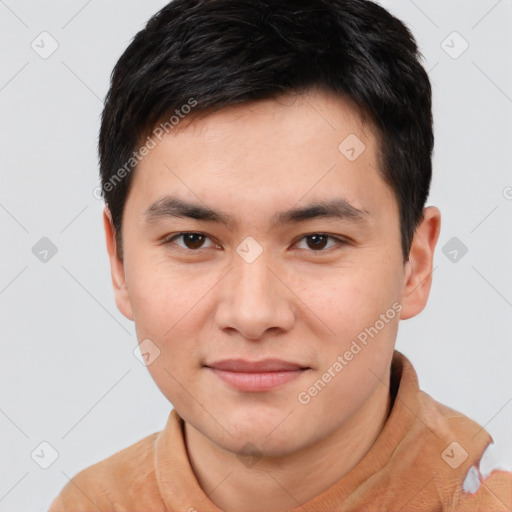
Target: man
<point>265,166</point>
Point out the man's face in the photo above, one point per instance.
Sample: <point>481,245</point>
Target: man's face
<point>262,286</point>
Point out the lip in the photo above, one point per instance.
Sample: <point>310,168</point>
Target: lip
<point>244,366</point>
<point>256,376</point>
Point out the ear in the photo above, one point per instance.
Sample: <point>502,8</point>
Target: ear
<point>418,269</point>
<point>116,267</point>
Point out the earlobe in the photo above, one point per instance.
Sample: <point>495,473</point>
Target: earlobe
<point>116,267</point>
<point>418,270</point>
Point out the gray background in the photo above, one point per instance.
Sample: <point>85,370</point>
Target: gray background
<point>68,373</point>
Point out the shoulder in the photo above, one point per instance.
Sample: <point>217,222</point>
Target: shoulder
<point>494,493</point>
<point>456,447</point>
<point>441,453</point>
<point>124,479</point>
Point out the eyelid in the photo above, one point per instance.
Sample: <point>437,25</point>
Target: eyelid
<point>340,241</point>
<point>170,239</point>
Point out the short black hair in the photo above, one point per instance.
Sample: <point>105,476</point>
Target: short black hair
<point>199,56</point>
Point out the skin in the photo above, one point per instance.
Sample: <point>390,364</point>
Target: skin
<point>200,303</point>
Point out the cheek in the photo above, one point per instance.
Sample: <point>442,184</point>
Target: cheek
<point>361,308</point>
<point>350,298</point>
<point>168,311</point>
<point>172,306</point>
<point>360,305</point>
<point>163,294</point>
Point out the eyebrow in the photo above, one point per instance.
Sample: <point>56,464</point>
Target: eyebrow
<point>336,208</point>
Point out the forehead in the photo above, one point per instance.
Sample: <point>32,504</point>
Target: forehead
<point>301,114</point>
<point>265,155</point>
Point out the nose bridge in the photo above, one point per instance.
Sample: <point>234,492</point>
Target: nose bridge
<point>252,280</point>
<point>254,300</point>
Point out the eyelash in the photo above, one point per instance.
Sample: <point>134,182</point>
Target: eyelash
<point>338,240</point>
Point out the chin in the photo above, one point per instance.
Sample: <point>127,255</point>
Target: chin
<point>258,444</point>
<point>267,437</point>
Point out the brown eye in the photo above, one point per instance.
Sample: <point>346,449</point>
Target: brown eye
<point>191,241</point>
<point>318,242</point>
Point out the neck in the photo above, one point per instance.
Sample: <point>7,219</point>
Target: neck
<point>277,484</point>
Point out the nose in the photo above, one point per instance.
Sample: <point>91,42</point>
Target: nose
<point>254,300</point>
